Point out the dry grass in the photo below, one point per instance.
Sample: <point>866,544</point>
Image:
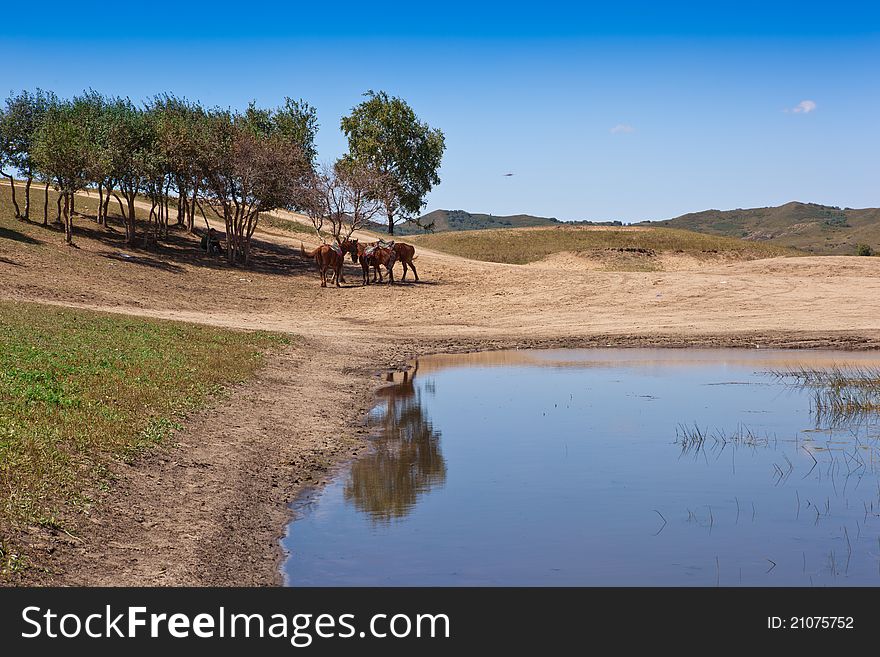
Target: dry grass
<point>637,245</point>
<point>79,388</point>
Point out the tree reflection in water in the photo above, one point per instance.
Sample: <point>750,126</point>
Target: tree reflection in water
<point>406,460</point>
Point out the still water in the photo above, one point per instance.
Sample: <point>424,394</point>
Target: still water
<point>585,467</point>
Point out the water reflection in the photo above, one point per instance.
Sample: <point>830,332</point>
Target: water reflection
<point>406,461</point>
<point>598,468</point>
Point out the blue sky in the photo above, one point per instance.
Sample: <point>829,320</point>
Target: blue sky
<point>602,111</point>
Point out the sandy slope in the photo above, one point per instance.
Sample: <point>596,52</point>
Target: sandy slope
<point>210,510</point>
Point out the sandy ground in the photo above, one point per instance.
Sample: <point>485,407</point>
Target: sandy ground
<point>210,509</point>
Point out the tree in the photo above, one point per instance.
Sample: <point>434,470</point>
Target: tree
<point>297,121</point>
<point>62,152</point>
<point>93,111</point>
<point>385,134</point>
<point>131,145</point>
<point>250,166</point>
<point>345,196</point>
<point>19,123</point>
<point>179,125</point>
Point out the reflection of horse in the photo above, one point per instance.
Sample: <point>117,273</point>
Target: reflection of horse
<point>407,460</point>
<point>331,257</point>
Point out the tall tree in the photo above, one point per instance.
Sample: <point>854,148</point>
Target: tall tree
<point>131,144</point>
<point>385,134</point>
<point>62,152</point>
<point>93,112</point>
<point>22,117</point>
<point>178,138</point>
<point>250,166</point>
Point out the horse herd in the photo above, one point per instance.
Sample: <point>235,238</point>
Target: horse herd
<point>331,257</point>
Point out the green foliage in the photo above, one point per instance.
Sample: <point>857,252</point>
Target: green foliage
<point>834,218</point>
<point>62,149</point>
<point>864,250</point>
<point>385,134</point>
<point>296,122</point>
<point>19,123</point>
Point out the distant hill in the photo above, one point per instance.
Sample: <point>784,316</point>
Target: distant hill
<point>455,220</point>
<point>814,228</point>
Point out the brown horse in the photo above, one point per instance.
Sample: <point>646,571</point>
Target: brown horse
<point>329,257</point>
<point>406,254</point>
<point>373,255</point>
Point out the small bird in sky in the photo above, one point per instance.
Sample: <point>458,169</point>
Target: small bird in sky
<point>508,175</point>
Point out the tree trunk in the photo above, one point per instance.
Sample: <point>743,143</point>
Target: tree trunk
<point>104,211</point>
<point>130,221</point>
<point>181,208</point>
<point>27,198</point>
<point>100,202</point>
<point>72,206</point>
<point>46,207</point>
<point>14,202</point>
<point>191,221</point>
<point>230,237</point>
<point>121,211</point>
<point>68,218</point>
<point>60,198</point>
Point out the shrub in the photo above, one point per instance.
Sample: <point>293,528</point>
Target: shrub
<point>864,250</point>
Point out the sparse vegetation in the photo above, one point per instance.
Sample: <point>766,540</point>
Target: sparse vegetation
<point>79,388</point>
<point>529,245</point>
<point>840,393</point>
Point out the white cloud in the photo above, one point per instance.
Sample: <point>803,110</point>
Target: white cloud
<point>622,128</point>
<point>804,107</point>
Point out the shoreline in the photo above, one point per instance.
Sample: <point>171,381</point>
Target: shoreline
<point>213,508</point>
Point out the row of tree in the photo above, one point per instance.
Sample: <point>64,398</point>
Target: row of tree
<point>182,157</point>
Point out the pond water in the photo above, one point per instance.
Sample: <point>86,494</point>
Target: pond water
<point>602,467</point>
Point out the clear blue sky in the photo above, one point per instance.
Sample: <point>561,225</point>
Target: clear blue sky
<point>639,110</point>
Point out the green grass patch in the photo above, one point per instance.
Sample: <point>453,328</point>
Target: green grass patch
<point>529,245</point>
<point>80,388</point>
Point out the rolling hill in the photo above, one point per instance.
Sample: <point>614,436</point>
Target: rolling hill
<point>456,220</point>
<point>624,248</point>
<point>820,229</point>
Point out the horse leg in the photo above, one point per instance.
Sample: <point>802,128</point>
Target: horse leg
<point>403,262</point>
<point>411,264</point>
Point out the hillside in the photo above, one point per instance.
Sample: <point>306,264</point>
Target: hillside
<point>609,248</point>
<point>814,228</point>
<point>455,220</point>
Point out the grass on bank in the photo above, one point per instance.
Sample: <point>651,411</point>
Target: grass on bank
<point>521,246</point>
<point>79,388</point>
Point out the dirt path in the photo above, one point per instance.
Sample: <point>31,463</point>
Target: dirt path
<point>211,509</point>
